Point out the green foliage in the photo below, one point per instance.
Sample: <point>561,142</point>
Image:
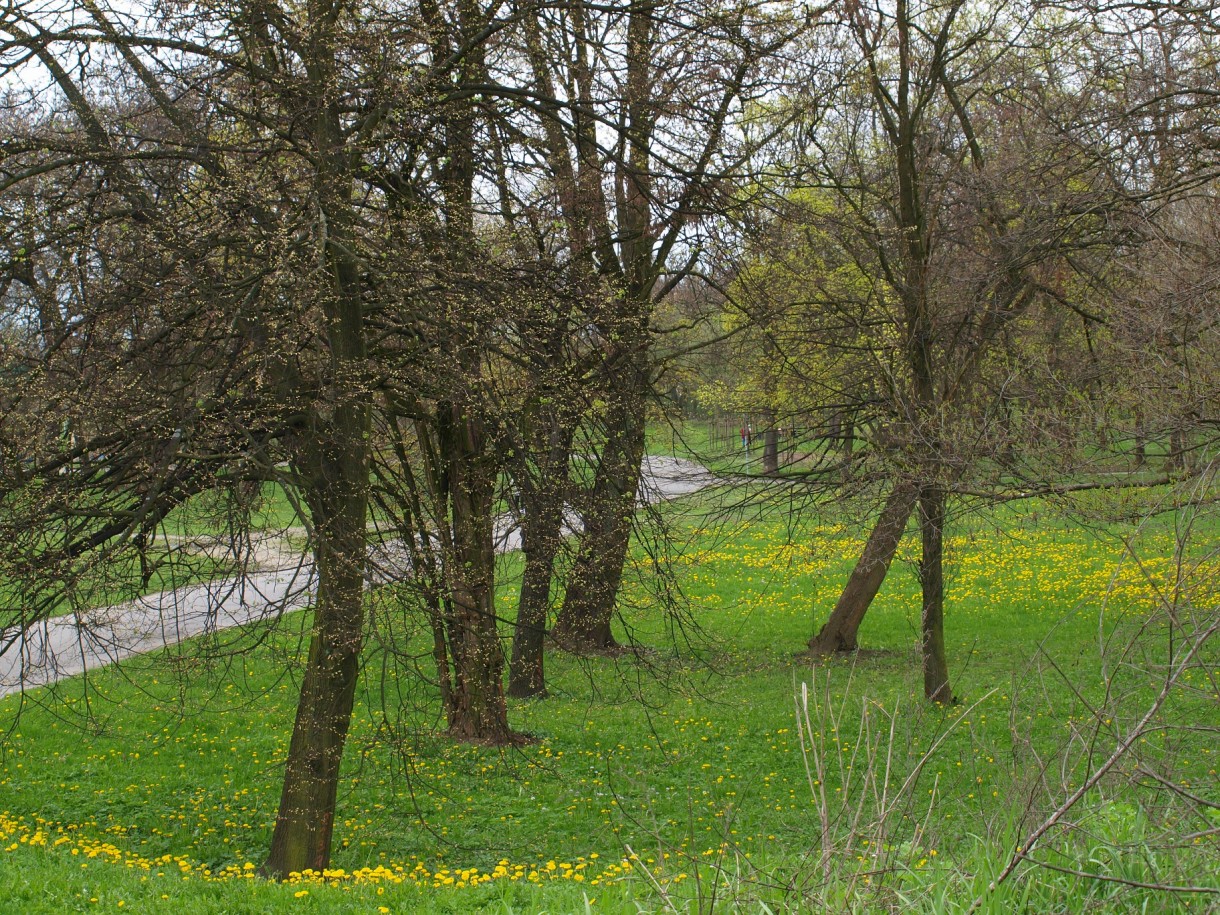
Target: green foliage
<point>791,351</point>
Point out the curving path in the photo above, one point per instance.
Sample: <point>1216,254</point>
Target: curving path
<point>65,646</point>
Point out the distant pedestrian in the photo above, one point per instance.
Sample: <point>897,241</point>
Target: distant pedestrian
<point>745,441</point>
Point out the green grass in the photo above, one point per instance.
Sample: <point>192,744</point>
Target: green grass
<point>691,756</point>
<point>208,514</point>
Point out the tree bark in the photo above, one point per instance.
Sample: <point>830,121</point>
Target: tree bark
<point>839,631</point>
<point>541,531</point>
<point>547,425</point>
<point>770,457</point>
<point>1176,459</point>
<point>1139,437</point>
<point>476,708</point>
<point>337,492</point>
<point>583,625</point>
<point>847,446</point>
<point>932,581</point>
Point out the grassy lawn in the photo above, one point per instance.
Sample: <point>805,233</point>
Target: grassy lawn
<point>688,775</point>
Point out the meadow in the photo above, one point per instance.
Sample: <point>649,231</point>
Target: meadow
<point>712,769</point>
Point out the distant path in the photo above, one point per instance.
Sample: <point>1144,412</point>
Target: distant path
<point>281,583</point>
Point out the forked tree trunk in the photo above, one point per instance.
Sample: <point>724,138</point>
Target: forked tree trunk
<point>583,625</point>
<point>464,482</point>
<point>337,492</point>
<point>839,632</point>
<point>932,581</point>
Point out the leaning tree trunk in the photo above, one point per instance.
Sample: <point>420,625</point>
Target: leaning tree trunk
<point>547,425</point>
<point>333,460</point>
<point>583,625</point>
<point>932,582</point>
<point>839,632</point>
<point>336,489</point>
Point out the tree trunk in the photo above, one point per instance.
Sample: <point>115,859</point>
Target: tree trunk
<point>1007,453</point>
<point>770,457</point>
<point>1140,434</point>
<point>337,492</point>
<point>1176,457</point>
<point>476,709</point>
<point>542,529</point>
<point>464,482</point>
<point>333,460</point>
<point>839,632</point>
<point>932,582</point>
<point>548,425</point>
<point>583,625</point>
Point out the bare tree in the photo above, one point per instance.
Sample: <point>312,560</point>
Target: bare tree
<point>641,154</point>
<point>948,184</point>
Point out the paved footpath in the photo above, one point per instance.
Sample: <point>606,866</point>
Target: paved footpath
<point>63,646</point>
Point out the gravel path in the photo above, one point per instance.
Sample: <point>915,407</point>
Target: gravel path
<point>279,582</point>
